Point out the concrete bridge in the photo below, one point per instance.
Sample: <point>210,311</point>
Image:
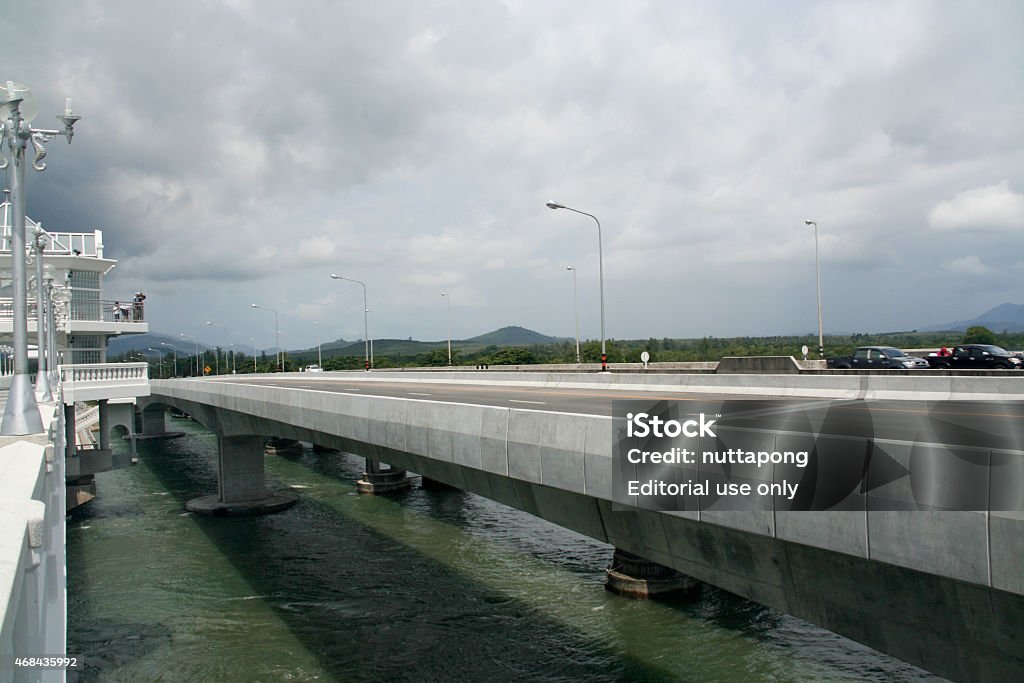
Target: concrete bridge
<point>941,589</point>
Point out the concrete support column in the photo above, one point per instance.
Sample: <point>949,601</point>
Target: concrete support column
<point>377,480</point>
<point>241,489</point>
<point>277,446</point>
<point>104,410</point>
<point>70,445</point>
<point>639,578</point>
<point>240,469</point>
<point>153,421</point>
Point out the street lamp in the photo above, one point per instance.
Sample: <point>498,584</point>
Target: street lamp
<point>319,355</point>
<point>576,309</point>
<point>42,376</point>
<point>817,270</point>
<point>174,350</point>
<point>18,108</point>
<point>366,317</point>
<point>208,322</point>
<point>600,265</point>
<point>253,340</point>
<point>276,337</point>
<point>449,300</point>
<point>188,336</point>
<point>160,355</point>
<point>51,322</point>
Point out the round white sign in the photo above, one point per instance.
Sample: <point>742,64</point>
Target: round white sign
<point>644,357</point>
<point>803,349</point>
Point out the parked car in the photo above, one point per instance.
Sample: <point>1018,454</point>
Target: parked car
<point>978,357</point>
<point>879,358</point>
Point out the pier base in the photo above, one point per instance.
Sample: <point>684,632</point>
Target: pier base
<point>377,481</point>
<point>639,578</point>
<point>213,506</point>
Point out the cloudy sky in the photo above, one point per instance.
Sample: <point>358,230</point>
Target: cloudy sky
<point>240,152</point>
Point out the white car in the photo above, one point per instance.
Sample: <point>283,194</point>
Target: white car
<point>313,368</point>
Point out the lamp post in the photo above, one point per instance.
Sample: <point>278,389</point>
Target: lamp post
<point>21,414</point>
<point>42,376</point>
<point>51,323</point>
<point>174,350</point>
<point>576,309</point>
<point>449,300</point>
<point>225,327</point>
<point>188,336</point>
<point>366,317</point>
<point>319,354</point>
<point>600,266</point>
<point>160,357</point>
<point>253,340</point>
<point>276,337</point>
<point>817,271</point>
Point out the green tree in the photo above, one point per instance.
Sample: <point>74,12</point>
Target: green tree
<point>979,334</point>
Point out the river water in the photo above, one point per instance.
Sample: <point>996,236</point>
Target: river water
<point>425,586</point>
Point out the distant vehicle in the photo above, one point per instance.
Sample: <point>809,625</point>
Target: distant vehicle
<point>879,358</point>
<point>977,356</point>
<point>313,368</point>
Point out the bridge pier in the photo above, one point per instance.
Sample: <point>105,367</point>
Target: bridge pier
<point>241,489</point>
<point>278,446</point>
<point>639,578</point>
<point>150,424</point>
<point>375,480</point>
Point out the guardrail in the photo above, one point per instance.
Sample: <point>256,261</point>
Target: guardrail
<point>98,381</point>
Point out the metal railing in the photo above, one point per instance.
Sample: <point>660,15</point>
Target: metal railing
<point>97,310</point>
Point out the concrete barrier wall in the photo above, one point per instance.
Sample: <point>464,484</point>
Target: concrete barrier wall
<point>32,561</point>
<point>893,385</point>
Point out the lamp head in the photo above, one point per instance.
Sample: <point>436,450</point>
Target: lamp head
<point>569,268</point>
<point>69,120</point>
<point>335,277</point>
<point>554,205</point>
<point>17,96</point>
<point>810,222</point>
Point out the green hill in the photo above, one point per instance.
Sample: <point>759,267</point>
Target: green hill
<point>513,336</point>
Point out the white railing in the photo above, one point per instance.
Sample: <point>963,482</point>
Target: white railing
<point>98,381</point>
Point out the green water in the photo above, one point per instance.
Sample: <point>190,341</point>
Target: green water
<point>428,585</point>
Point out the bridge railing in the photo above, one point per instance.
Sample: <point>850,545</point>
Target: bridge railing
<point>97,381</point>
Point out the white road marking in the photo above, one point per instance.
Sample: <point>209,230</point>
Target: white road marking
<point>536,403</point>
<point>416,393</point>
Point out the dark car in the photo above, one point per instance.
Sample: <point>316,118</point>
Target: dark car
<point>879,358</point>
<point>977,356</point>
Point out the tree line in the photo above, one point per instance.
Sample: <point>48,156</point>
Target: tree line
<point>619,351</point>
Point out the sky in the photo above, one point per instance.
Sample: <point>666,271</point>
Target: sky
<point>241,152</point>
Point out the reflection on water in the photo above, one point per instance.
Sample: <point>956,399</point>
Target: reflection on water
<point>427,585</point>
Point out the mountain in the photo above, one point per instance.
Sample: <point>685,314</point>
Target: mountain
<point>1004,317</point>
<point>506,336</point>
<point>513,336</point>
<point>140,342</point>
